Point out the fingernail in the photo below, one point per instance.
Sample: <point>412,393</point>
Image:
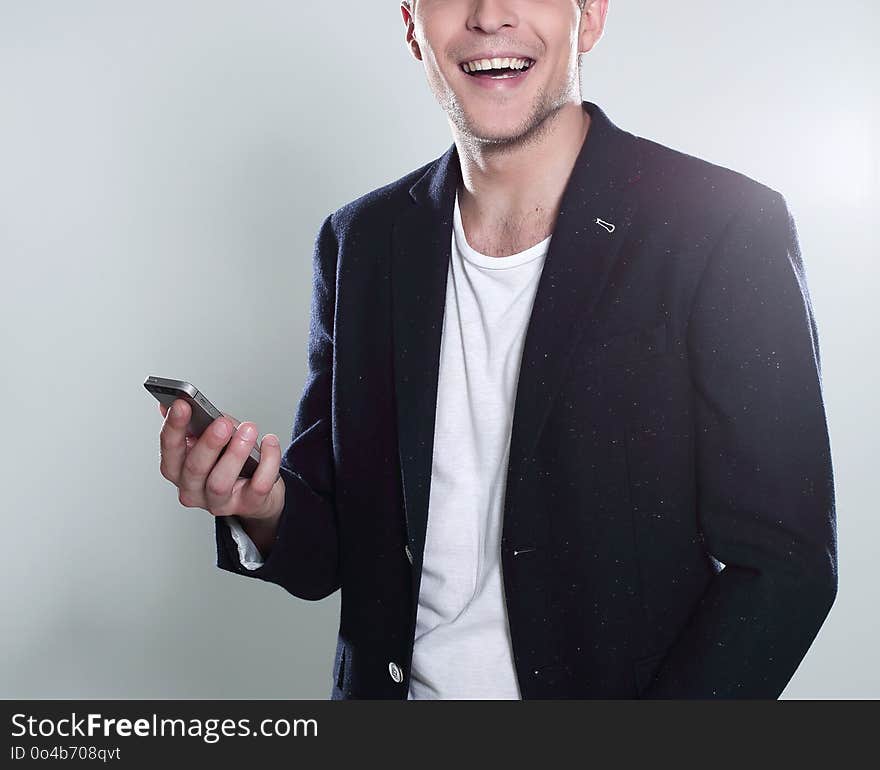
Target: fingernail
<point>221,429</point>
<point>271,439</point>
<point>247,432</point>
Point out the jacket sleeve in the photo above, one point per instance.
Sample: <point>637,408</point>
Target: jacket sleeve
<point>304,557</point>
<point>763,473</point>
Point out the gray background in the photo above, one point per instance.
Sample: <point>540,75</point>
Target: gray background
<point>165,169</point>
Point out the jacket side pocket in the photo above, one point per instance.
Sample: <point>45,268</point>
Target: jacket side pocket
<point>645,669</point>
<point>340,664</point>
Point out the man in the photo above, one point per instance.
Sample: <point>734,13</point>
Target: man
<point>563,433</point>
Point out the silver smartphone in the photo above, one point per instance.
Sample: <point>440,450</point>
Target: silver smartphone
<point>203,411</point>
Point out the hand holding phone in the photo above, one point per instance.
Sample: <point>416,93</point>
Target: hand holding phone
<point>212,458</point>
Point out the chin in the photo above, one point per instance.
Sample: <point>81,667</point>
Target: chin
<point>490,126</point>
<point>498,134</point>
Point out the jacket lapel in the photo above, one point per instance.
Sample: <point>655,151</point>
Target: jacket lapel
<point>421,241</point>
<point>594,216</point>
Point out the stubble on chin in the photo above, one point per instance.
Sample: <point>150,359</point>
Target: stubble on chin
<point>540,117</point>
<point>530,131</point>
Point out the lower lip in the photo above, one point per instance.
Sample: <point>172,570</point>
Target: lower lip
<point>499,84</point>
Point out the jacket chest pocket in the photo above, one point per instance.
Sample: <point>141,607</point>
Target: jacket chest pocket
<point>629,346</point>
<point>620,351</point>
<point>611,380</point>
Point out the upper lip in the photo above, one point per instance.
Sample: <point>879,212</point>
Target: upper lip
<point>499,55</point>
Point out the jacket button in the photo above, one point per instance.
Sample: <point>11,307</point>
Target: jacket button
<point>408,553</point>
<point>396,673</point>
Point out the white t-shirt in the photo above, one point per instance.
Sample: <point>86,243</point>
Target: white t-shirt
<point>462,646</point>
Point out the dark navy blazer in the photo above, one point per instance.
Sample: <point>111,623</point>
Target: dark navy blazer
<point>669,521</point>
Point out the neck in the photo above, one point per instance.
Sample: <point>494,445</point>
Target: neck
<point>523,182</point>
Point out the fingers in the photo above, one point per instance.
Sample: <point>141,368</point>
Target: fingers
<point>255,493</point>
<point>172,440</point>
<point>218,485</point>
<point>163,409</point>
<point>206,469</point>
<point>199,463</point>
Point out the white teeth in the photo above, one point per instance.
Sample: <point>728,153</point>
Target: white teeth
<point>487,64</point>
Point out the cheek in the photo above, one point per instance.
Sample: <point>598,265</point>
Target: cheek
<point>436,77</point>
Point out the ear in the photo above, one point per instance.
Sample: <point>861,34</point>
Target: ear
<point>411,42</point>
<point>592,24</point>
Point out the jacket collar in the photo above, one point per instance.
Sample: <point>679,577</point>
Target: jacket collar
<point>596,167</point>
<point>579,260</point>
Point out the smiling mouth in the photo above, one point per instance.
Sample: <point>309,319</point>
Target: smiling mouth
<point>512,70</point>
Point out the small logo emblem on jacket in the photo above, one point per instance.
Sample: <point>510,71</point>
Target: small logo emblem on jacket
<point>607,225</point>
